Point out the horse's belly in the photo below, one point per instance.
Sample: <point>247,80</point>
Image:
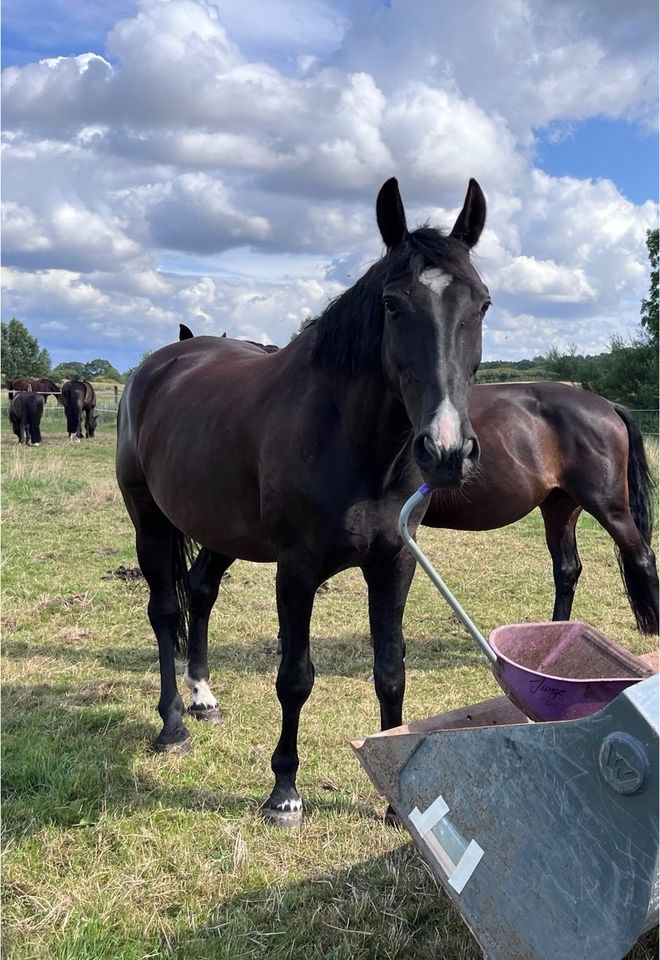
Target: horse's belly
<point>467,511</point>
<point>225,521</point>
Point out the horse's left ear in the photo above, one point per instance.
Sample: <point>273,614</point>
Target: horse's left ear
<point>471,219</point>
<point>185,333</point>
<point>390,214</point>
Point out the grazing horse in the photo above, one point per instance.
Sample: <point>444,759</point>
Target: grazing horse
<point>304,457</point>
<point>41,385</point>
<point>25,413</point>
<point>78,397</point>
<point>565,450</point>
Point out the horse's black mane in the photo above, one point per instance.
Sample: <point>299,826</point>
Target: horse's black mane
<point>350,329</point>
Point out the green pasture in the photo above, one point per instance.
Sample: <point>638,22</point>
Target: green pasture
<point>113,852</point>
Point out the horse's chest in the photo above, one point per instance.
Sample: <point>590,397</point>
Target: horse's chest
<point>368,526</point>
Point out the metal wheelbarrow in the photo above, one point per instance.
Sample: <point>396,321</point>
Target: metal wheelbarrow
<point>544,835</point>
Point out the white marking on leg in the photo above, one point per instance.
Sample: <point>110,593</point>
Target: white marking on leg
<point>435,279</point>
<point>293,805</point>
<point>201,692</point>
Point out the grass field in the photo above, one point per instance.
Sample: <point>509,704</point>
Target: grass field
<point>113,852</point>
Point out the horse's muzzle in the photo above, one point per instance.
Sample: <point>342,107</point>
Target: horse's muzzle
<point>445,466</point>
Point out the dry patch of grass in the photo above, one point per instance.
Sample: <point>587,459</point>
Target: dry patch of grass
<point>112,852</point>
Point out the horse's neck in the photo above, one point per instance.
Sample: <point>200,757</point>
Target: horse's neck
<point>376,420</point>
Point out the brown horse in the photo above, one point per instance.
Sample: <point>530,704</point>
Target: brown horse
<point>305,456</point>
<point>78,398</point>
<point>564,450</point>
<point>25,413</point>
<point>185,333</point>
<point>41,385</point>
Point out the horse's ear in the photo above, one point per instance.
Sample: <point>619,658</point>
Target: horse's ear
<point>185,333</point>
<point>224,334</point>
<point>471,219</point>
<point>390,214</point>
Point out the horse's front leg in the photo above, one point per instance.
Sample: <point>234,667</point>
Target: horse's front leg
<point>388,583</point>
<point>296,587</point>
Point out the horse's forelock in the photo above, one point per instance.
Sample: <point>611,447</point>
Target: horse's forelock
<point>349,331</point>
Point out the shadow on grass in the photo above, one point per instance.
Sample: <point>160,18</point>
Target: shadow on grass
<point>385,907</point>
<point>65,761</point>
<point>333,656</point>
<point>69,755</point>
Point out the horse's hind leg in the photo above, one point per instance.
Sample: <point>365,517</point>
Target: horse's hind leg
<point>296,587</point>
<point>205,576</point>
<point>560,515</point>
<point>636,561</point>
<point>156,542</point>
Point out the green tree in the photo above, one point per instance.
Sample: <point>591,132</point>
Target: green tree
<point>650,306</point>
<point>101,370</point>
<point>21,354</point>
<point>69,370</point>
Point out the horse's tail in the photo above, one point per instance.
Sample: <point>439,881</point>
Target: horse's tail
<point>183,554</point>
<point>32,414</point>
<point>640,478</point>
<point>641,586</point>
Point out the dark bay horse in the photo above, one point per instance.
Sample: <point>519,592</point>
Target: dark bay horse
<point>41,385</point>
<point>565,450</point>
<point>78,398</point>
<point>185,333</point>
<point>25,413</point>
<point>305,456</point>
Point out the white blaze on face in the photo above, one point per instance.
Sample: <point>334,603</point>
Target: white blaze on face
<point>448,425</point>
<point>201,692</point>
<point>435,279</point>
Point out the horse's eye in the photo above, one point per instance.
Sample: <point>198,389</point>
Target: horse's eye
<point>485,307</point>
<point>390,305</point>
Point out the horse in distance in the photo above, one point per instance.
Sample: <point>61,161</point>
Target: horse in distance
<point>564,450</point>
<point>304,457</point>
<point>42,385</point>
<point>79,400</point>
<point>25,413</point>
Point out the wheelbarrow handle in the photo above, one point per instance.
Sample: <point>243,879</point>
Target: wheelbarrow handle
<point>426,565</point>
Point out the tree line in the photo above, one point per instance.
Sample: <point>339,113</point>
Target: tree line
<point>626,373</point>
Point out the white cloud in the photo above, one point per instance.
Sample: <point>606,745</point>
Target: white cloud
<point>137,179</point>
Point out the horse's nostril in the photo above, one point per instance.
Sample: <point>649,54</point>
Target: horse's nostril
<point>430,446</point>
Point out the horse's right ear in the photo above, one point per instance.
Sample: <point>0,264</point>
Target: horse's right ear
<point>390,214</point>
<point>185,333</point>
<point>224,334</point>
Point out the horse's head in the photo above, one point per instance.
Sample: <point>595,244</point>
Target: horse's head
<point>90,426</point>
<point>434,302</point>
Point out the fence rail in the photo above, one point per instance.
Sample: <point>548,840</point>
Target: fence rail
<point>107,400</point>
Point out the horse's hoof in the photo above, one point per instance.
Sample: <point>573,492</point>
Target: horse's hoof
<point>209,714</point>
<point>286,819</point>
<point>177,749</point>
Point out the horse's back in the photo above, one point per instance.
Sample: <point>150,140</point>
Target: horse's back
<point>190,424</point>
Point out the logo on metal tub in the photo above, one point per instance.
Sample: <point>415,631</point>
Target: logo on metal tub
<point>541,686</point>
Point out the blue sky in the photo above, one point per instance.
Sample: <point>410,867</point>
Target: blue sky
<point>217,163</point>
<point>624,152</point>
